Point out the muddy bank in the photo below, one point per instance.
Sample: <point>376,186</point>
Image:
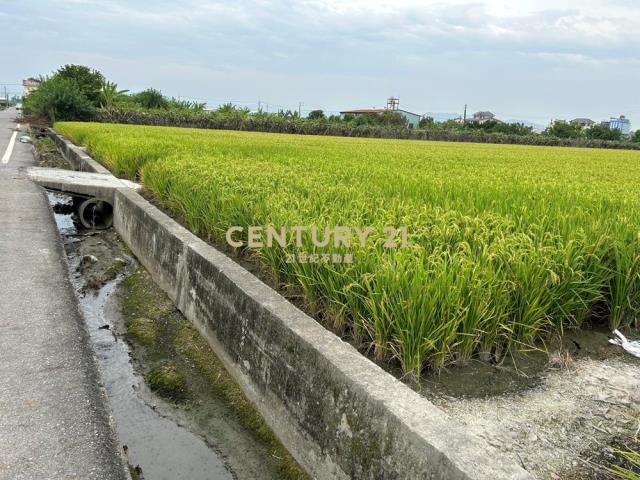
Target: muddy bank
<point>560,414</point>
<point>178,414</point>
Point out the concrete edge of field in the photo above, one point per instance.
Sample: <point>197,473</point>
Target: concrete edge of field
<point>338,413</point>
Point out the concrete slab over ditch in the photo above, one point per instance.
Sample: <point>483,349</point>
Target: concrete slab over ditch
<point>90,184</point>
<point>338,413</point>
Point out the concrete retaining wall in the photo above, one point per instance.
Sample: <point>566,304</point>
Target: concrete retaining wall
<point>338,413</point>
<point>76,155</point>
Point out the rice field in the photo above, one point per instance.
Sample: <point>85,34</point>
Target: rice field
<point>506,244</point>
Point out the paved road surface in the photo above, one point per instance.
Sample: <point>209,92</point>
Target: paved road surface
<point>53,420</point>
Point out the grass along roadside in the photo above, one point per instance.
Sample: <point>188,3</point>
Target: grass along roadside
<point>507,244</point>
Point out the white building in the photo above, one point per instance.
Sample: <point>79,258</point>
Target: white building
<point>482,117</point>
<point>621,123</point>
<point>583,122</point>
<point>393,104</point>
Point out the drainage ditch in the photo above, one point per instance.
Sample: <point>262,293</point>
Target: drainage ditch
<point>177,413</point>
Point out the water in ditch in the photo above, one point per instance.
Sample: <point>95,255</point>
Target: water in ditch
<point>158,444</point>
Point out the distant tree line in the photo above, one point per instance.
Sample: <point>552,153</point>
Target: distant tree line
<point>77,92</point>
<point>563,129</point>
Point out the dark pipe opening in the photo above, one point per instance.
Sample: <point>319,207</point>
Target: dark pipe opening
<point>95,214</point>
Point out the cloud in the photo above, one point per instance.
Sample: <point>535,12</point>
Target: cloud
<point>437,54</point>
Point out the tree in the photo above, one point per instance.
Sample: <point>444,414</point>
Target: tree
<point>428,123</point>
<point>89,81</point>
<point>562,129</point>
<point>110,96</point>
<point>496,126</point>
<point>636,136</point>
<point>452,125</point>
<point>389,118</point>
<point>603,132</point>
<point>186,104</point>
<point>316,115</point>
<point>151,99</point>
<point>364,119</point>
<point>59,98</point>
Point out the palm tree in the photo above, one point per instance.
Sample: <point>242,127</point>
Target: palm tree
<point>110,95</point>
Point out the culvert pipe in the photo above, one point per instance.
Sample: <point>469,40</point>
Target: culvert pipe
<point>95,214</point>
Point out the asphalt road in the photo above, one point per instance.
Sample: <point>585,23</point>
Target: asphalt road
<point>54,420</point>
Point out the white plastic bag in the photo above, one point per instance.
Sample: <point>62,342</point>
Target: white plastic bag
<point>632,347</point>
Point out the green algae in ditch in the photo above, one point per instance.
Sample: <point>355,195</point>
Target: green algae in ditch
<point>168,382</point>
<point>164,338</point>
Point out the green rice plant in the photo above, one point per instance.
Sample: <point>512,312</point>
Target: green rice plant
<point>632,458</point>
<point>507,244</point>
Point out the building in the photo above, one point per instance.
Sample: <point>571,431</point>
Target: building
<point>482,117</point>
<point>29,85</point>
<point>583,122</point>
<point>393,104</point>
<point>4,102</point>
<point>621,123</point>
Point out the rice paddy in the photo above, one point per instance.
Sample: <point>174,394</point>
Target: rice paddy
<point>505,245</point>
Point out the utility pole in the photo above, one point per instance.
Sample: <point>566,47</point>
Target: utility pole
<point>299,109</point>
<point>464,118</point>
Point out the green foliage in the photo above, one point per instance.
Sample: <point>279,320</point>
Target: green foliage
<point>632,469</point>
<point>89,81</point>
<point>174,103</point>
<point>229,117</point>
<point>232,110</point>
<point>71,93</point>
<point>110,96</point>
<point>59,98</point>
<point>290,114</point>
<point>507,244</point>
<point>603,132</point>
<point>496,126</point>
<point>428,123</point>
<point>168,382</point>
<point>151,99</point>
<point>562,129</point>
<point>387,118</point>
<point>635,137</point>
<point>316,115</point>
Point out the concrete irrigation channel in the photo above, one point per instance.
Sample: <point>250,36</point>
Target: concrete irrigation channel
<point>183,429</point>
<point>339,414</point>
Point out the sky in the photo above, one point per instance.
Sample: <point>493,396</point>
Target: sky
<point>521,59</point>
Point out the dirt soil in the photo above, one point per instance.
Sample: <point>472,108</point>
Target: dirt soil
<point>45,151</point>
<point>558,414</point>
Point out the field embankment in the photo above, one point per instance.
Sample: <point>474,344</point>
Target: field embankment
<point>505,244</point>
<point>304,126</point>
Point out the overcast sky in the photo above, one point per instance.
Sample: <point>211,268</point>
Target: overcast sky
<point>525,59</point>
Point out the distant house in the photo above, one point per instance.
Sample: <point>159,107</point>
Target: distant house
<point>621,123</point>
<point>29,85</point>
<point>583,122</point>
<point>4,102</point>
<point>482,117</point>
<point>393,104</point>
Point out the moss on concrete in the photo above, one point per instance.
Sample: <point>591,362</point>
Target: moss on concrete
<point>175,352</point>
<point>168,382</point>
<point>189,343</point>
